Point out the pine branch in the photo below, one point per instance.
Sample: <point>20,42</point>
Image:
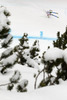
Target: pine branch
<point>37,77</point>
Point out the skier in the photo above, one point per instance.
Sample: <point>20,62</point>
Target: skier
<point>51,13</point>
<point>48,13</point>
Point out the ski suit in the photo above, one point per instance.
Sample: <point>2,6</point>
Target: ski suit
<point>49,13</point>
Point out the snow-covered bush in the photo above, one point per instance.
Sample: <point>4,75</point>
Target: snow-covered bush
<point>21,87</point>
<point>55,66</point>
<point>10,86</point>
<point>15,82</point>
<point>55,61</point>
<point>15,78</point>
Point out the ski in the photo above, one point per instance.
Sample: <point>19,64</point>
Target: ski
<point>55,12</point>
<point>55,16</point>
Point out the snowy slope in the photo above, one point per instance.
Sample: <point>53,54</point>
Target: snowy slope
<point>30,17</point>
<point>57,92</point>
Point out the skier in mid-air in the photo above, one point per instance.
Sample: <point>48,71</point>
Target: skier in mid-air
<point>51,13</point>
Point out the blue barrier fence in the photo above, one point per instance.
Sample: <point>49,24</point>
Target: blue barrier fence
<point>36,37</point>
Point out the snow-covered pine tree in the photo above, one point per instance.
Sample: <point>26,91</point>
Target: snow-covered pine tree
<point>34,51</point>
<point>61,41</point>
<point>5,37</point>
<point>7,58</point>
<point>22,49</point>
<point>23,52</point>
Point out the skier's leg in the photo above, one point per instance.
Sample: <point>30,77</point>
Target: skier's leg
<point>48,14</point>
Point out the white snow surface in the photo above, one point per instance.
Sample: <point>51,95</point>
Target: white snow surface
<point>48,93</point>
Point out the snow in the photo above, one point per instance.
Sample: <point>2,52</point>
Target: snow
<point>3,19</point>
<point>29,16</point>
<point>7,52</point>
<point>53,54</point>
<point>54,71</point>
<point>15,77</point>
<point>25,44</point>
<point>10,60</point>
<point>9,37</point>
<point>33,18</point>
<point>47,93</point>
<point>23,83</point>
<point>32,63</point>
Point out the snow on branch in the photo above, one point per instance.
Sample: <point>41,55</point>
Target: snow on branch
<point>10,60</point>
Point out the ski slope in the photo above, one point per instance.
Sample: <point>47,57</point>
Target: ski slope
<point>29,16</point>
